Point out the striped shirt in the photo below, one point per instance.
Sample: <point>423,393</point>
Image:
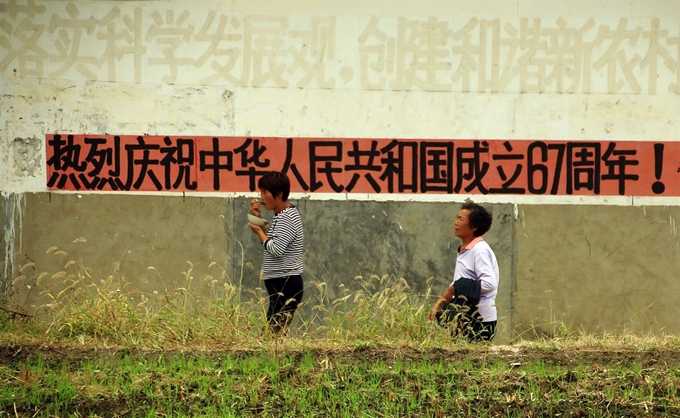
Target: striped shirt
<point>284,246</point>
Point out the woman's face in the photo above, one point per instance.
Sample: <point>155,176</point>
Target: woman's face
<point>267,199</point>
<point>462,227</point>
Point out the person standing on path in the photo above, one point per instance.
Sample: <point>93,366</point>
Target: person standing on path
<point>283,243</point>
<point>476,268</point>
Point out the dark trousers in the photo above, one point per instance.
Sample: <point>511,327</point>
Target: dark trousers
<point>285,293</point>
<point>481,331</point>
<point>461,323</point>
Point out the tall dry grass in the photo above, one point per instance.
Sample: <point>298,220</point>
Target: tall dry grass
<point>75,305</point>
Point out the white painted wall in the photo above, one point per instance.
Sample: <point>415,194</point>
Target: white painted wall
<point>336,69</point>
<point>543,69</point>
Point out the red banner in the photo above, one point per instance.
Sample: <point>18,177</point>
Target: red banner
<point>364,165</point>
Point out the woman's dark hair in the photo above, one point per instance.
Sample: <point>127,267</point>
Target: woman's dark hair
<point>276,183</point>
<point>480,218</point>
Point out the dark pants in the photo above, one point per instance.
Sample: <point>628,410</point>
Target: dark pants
<point>461,323</point>
<point>481,331</point>
<point>285,293</point>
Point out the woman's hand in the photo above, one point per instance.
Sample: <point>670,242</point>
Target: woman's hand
<point>441,302</point>
<point>432,315</point>
<point>255,208</point>
<point>259,231</point>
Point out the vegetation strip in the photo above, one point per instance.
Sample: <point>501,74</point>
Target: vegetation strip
<point>100,347</point>
<point>492,381</point>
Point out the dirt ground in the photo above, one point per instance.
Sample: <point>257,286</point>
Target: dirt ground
<point>74,355</point>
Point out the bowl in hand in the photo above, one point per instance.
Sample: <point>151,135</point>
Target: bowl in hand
<point>257,220</point>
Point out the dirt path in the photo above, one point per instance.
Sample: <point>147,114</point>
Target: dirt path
<point>10,354</point>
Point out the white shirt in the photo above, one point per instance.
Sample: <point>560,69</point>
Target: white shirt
<point>477,261</point>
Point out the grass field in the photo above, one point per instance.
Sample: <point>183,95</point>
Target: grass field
<point>371,382</point>
<point>102,348</point>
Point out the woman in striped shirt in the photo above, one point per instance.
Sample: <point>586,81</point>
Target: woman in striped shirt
<point>283,241</point>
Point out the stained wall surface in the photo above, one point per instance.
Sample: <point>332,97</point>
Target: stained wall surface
<point>156,243</point>
<point>460,70</point>
<point>597,268</point>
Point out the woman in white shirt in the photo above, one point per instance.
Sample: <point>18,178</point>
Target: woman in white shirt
<point>476,261</point>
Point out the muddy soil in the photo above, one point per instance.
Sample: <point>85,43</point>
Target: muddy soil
<point>570,358</point>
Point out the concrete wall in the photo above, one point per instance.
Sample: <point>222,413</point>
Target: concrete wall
<point>151,67</point>
<point>598,268</point>
<point>154,241</point>
<point>4,244</point>
<point>572,265</point>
